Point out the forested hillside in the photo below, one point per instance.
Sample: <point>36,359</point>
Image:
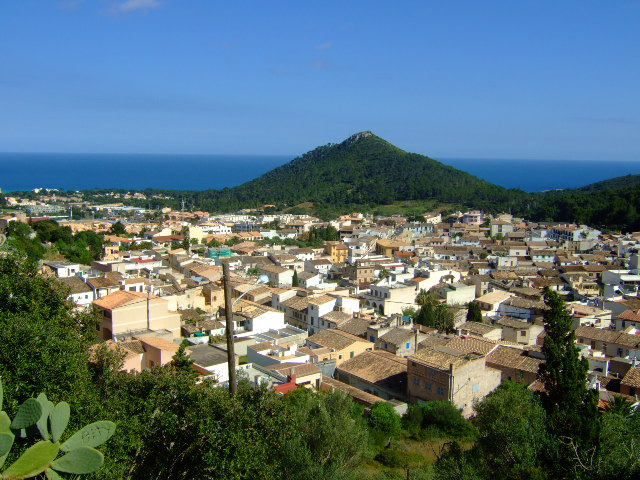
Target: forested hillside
<point>363,170</point>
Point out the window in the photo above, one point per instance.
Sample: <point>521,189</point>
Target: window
<point>351,354</point>
<point>440,390</point>
<point>523,333</point>
<point>416,381</point>
<point>339,357</point>
<point>385,346</point>
<point>408,345</point>
<point>475,388</point>
<point>372,338</point>
<point>427,386</point>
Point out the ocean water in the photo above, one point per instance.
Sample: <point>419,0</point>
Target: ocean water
<point>25,171</point>
<point>540,175</point>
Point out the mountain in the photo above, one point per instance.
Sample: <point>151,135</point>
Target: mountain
<point>613,184</point>
<point>362,170</point>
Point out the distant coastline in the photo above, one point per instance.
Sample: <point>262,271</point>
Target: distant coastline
<point>25,171</point>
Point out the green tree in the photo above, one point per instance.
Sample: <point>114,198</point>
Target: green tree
<point>444,318</point>
<point>512,432</point>
<point>37,324</point>
<point>572,408</point>
<point>181,361</point>
<point>118,228</point>
<point>474,314</point>
<point>384,419</point>
<point>327,441</point>
<point>295,282</point>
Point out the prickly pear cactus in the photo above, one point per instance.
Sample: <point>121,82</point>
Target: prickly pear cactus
<point>50,421</point>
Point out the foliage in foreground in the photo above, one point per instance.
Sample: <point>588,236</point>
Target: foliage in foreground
<point>41,417</point>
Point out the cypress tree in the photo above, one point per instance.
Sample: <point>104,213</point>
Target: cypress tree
<point>295,282</point>
<point>572,408</point>
<point>474,314</point>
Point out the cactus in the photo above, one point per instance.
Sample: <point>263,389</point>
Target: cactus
<point>79,461</point>
<point>41,416</point>
<point>59,419</point>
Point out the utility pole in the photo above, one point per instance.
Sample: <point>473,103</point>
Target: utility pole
<point>148,309</point>
<point>228,309</point>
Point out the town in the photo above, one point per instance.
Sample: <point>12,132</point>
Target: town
<point>385,309</point>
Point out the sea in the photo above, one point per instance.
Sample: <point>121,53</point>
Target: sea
<point>79,171</point>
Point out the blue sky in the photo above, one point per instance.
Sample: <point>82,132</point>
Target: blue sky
<point>479,79</point>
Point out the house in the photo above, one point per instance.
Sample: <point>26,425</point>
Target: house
<point>257,318</point>
<point>515,364</point>
<point>490,302</point>
<point>500,227</point>
<point>456,293</point>
<point>388,247</point>
<point>123,312</point>
<point>610,343</point>
<point>359,396</point>
<point>476,329</point>
<point>628,318</point>
<point>61,268</point>
<point>524,308</point>
<point>520,332</point>
<point>78,292</point>
<point>376,372</point>
<point>388,298</point>
<point>630,383</point>
<point>277,275</point>
<point>442,373</point>
<point>337,251</point>
<point>305,375</point>
<point>343,344</point>
<point>266,354</point>
<point>210,360</point>
<point>399,341</point>
<point>308,313</point>
<point>158,351</point>
<point>102,286</point>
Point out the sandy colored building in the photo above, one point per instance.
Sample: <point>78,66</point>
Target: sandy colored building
<point>123,312</point>
<point>442,373</point>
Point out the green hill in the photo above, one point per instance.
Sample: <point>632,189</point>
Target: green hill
<point>362,170</point>
<point>613,184</point>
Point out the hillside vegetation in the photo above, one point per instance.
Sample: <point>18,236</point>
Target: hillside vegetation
<point>363,170</point>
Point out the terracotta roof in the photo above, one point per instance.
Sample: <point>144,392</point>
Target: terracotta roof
<point>297,303</point>
<point>160,343</point>
<point>337,317</point>
<point>510,357</point>
<point>335,339</point>
<point>102,282</point>
<point>358,395</point>
<point>510,322</point>
<point>496,296</point>
<point>74,284</point>
<point>632,378</point>
<point>606,336</point>
<point>321,300</point>
<point>297,369</point>
<point>377,367</point>
<point>439,359</point>
<point>630,315</point>
<point>355,326</point>
<point>397,336</point>
<point>477,327</point>
<point>119,299</point>
<point>468,345</point>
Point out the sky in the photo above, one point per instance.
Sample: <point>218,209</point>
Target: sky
<point>449,79</point>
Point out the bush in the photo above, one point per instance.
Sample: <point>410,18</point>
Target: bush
<point>384,419</point>
<point>394,458</point>
<point>437,419</point>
